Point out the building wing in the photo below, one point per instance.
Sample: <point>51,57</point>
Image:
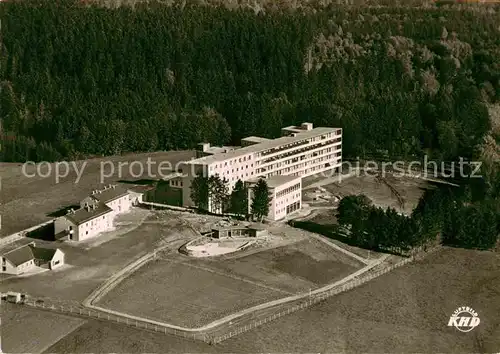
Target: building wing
<point>20,255</point>
<point>83,215</point>
<point>109,193</point>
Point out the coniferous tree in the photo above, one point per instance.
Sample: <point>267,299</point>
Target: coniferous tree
<point>261,200</point>
<point>239,199</point>
<point>218,194</point>
<point>200,192</point>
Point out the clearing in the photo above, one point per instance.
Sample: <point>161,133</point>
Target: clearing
<point>400,193</point>
<point>30,331</point>
<point>407,308</point>
<point>28,201</point>
<point>87,267</point>
<point>294,268</point>
<point>183,295</point>
<point>192,292</point>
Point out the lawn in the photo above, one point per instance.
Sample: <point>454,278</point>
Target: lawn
<point>27,201</point>
<point>294,268</point>
<point>405,311</point>
<point>87,268</point>
<point>30,331</point>
<point>182,295</point>
<point>403,195</point>
<point>193,292</point>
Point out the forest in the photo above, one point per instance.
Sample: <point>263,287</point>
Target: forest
<point>80,81</point>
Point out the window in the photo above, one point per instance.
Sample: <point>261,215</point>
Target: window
<point>86,232</point>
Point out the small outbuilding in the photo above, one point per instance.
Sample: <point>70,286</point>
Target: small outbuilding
<point>239,231</point>
<point>26,258</point>
<point>47,257</point>
<point>13,297</point>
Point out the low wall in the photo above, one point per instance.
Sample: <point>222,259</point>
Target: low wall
<point>21,234</point>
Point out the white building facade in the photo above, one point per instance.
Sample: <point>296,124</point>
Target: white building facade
<point>85,223</point>
<point>95,215</point>
<point>29,257</point>
<point>285,194</point>
<point>301,151</point>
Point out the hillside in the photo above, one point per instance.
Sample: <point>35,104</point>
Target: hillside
<point>86,80</point>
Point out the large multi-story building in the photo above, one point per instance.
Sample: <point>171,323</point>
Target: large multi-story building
<point>301,151</point>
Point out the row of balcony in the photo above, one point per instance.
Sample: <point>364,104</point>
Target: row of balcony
<point>296,152</point>
<point>299,158</point>
<point>286,147</point>
<point>334,157</point>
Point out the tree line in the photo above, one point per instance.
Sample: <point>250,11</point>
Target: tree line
<point>79,81</point>
<point>467,216</point>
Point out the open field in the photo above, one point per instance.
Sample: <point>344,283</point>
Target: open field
<point>405,310</point>
<point>30,331</point>
<point>27,201</point>
<point>409,189</point>
<point>400,193</point>
<point>87,267</point>
<point>294,268</point>
<point>401,312</point>
<point>183,295</point>
<point>192,292</point>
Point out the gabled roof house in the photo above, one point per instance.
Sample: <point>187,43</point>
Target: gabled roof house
<point>26,258</point>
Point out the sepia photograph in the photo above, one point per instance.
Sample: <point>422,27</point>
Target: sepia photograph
<point>250,176</point>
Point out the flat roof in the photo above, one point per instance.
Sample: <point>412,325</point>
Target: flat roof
<point>276,181</point>
<point>173,175</point>
<point>265,145</point>
<point>219,149</point>
<point>292,127</point>
<point>239,227</point>
<point>255,138</point>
